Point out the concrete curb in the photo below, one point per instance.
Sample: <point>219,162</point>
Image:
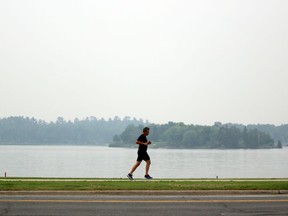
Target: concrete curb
<point>150,192</point>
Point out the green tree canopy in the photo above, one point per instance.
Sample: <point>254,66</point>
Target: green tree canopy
<point>179,135</point>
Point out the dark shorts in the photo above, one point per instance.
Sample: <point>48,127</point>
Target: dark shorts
<point>143,156</point>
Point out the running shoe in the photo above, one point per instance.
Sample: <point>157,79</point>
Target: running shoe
<point>130,176</point>
<point>148,177</point>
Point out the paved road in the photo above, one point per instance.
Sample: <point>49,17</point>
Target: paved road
<point>44,205</point>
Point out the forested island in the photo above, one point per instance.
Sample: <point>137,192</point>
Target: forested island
<point>119,132</point>
<point>179,135</point>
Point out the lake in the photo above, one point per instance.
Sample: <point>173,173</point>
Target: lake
<point>105,162</point>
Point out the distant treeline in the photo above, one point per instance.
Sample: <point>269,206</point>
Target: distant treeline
<point>124,132</point>
<point>179,135</point>
<point>24,130</point>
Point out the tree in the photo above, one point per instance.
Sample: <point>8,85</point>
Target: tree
<point>279,144</point>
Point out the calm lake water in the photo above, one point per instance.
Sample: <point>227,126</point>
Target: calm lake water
<point>105,162</point>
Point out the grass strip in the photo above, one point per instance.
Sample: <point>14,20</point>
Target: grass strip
<point>142,185</point>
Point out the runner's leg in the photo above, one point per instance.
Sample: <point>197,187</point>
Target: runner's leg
<point>148,163</point>
<point>135,167</point>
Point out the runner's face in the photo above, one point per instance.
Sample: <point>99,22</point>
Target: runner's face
<point>146,132</point>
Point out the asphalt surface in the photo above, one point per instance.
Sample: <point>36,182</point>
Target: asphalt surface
<point>126,205</point>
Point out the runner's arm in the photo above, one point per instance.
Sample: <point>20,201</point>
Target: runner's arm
<point>143,143</point>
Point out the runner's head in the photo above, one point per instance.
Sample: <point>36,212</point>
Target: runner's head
<point>146,131</point>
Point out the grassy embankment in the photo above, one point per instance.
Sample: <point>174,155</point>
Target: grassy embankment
<point>22,184</point>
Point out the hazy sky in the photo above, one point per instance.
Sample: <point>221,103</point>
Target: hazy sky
<point>195,62</point>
